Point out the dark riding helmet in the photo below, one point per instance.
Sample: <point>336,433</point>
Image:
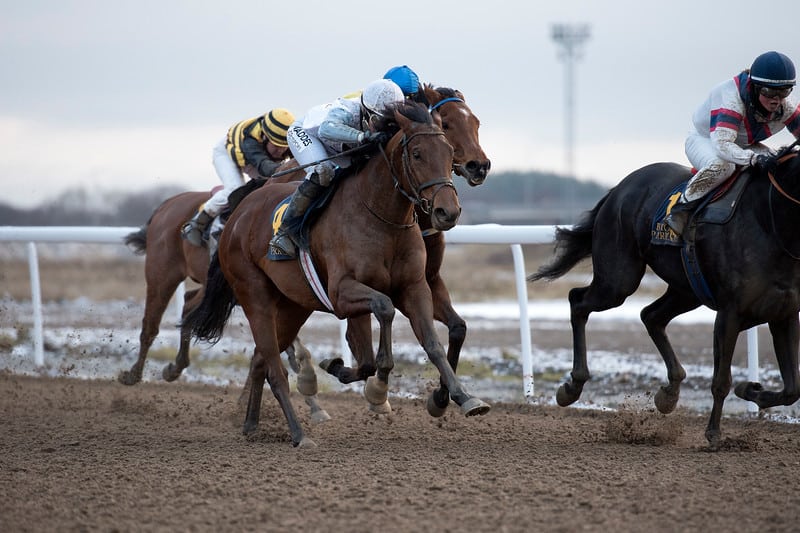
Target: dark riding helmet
<point>773,69</point>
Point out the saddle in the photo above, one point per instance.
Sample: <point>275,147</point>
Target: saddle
<point>717,208</point>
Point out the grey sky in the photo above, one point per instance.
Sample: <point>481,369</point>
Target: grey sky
<point>128,95</point>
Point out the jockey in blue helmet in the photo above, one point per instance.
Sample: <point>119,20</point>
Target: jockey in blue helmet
<point>405,78</point>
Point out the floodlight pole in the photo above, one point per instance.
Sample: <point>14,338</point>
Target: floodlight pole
<point>570,38</point>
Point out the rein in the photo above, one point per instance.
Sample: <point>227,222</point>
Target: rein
<point>774,185</point>
<point>301,167</point>
<point>774,182</point>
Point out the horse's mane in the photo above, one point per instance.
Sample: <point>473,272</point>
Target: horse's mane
<point>446,92</point>
<point>414,111</point>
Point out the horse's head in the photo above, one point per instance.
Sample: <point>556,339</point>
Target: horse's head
<point>461,128</point>
<point>424,158</point>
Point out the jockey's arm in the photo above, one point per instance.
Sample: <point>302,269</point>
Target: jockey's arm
<point>336,127</point>
<point>724,141</point>
<point>255,155</point>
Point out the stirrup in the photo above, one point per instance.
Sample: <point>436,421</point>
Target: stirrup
<point>277,246</point>
<point>192,233</point>
<point>677,221</point>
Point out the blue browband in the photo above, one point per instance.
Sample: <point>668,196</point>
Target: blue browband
<point>440,102</point>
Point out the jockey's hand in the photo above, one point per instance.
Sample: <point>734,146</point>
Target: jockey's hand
<point>376,137</point>
<point>763,161</point>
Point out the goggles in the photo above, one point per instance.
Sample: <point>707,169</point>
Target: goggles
<point>775,92</point>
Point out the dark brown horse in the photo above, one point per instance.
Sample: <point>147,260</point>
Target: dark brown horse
<point>749,261</point>
<point>368,251</point>
<point>170,260</point>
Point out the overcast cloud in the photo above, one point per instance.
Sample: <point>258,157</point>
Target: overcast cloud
<point>130,95</point>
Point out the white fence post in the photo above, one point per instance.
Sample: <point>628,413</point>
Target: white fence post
<point>524,322</point>
<point>752,363</point>
<point>36,303</point>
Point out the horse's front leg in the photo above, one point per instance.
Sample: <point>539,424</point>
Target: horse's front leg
<point>417,305</point>
<point>352,300</point>
<point>726,332</point>
<point>359,338</point>
<point>457,331</point>
<point>785,338</point>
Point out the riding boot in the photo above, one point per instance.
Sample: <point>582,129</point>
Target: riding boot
<point>193,230</point>
<point>283,243</point>
<point>679,214</point>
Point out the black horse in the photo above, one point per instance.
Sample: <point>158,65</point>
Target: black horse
<point>749,264</point>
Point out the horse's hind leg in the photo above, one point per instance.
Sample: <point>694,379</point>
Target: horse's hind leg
<point>655,317</point>
<point>300,361</point>
<point>173,371</point>
<point>159,292</point>
<point>612,283</point>
<point>785,338</point>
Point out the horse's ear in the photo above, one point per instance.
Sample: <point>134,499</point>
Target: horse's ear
<point>402,121</point>
<point>431,94</point>
<point>460,95</point>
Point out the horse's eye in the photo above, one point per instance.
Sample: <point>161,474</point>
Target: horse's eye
<point>445,126</point>
<point>415,154</point>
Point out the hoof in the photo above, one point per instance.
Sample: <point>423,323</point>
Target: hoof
<point>127,377</point>
<point>665,402</point>
<point>748,390</point>
<point>331,365</point>
<point>376,391</point>
<point>318,417</point>
<point>564,397</point>
<point>433,409</point>
<point>307,383</point>
<point>383,409</point>
<point>306,443</point>
<point>474,406</point>
<point>170,373</point>
<point>714,438</point>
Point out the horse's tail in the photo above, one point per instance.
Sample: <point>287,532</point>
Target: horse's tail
<point>572,246</point>
<point>137,241</point>
<point>207,320</point>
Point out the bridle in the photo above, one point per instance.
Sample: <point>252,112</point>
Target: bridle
<point>458,169</point>
<point>415,196</point>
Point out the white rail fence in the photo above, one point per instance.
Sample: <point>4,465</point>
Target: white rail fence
<point>515,236</point>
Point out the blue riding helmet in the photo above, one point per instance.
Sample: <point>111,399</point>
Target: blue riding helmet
<point>773,69</point>
<point>405,78</point>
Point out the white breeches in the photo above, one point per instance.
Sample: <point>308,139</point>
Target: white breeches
<point>711,169</point>
<point>230,175</point>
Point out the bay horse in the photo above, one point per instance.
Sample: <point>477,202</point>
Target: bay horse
<point>750,264</point>
<point>368,251</point>
<point>170,260</point>
<point>469,161</point>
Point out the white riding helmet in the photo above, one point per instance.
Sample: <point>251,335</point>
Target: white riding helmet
<point>379,94</point>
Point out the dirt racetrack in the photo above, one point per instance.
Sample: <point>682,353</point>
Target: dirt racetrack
<point>83,455</point>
